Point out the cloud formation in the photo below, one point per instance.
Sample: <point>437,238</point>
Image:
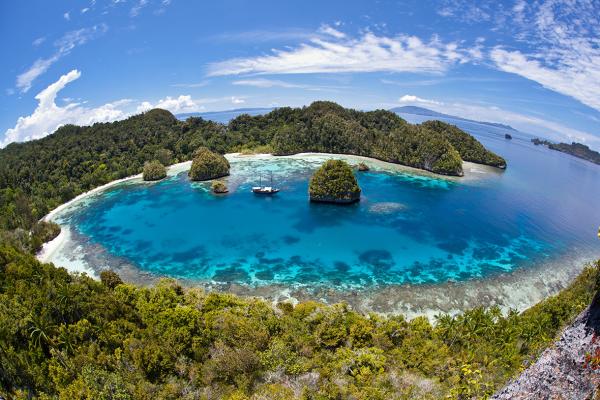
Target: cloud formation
<point>558,41</point>
<point>48,116</point>
<point>411,99</point>
<point>181,104</point>
<point>367,53</point>
<point>63,46</point>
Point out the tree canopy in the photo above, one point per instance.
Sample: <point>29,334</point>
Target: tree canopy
<point>67,336</point>
<point>208,165</point>
<point>334,182</point>
<point>154,171</point>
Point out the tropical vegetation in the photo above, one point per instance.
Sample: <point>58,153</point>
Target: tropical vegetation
<point>154,171</point>
<point>68,336</point>
<point>208,165</point>
<point>334,182</point>
<point>468,147</point>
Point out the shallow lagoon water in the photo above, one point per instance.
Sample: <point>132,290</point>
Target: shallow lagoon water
<point>408,228</point>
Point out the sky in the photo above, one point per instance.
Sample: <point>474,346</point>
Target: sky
<point>534,65</point>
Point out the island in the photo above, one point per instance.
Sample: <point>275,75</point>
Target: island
<point>575,149</point>
<point>154,171</point>
<point>208,165</point>
<point>362,167</point>
<point>219,187</point>
<point>334,182</point>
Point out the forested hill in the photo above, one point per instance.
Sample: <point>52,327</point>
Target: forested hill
<point>575,149</point>
<point>39,175</point>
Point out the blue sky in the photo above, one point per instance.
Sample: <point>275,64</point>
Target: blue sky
<point>534,65</point>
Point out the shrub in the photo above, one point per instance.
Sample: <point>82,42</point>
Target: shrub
<point>208,165</point>
<point>154,171</point>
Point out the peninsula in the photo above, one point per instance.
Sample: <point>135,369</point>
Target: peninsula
<point>575,149</point>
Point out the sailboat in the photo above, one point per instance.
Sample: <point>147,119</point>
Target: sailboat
<point>260,189</point>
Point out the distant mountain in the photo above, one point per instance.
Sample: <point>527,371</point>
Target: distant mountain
<point>225,116</point>
<point>430,113</point>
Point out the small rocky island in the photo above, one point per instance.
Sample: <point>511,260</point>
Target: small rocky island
<point>208,165</point>
<point>334,182</point>
<point>362,167</point>
<point>154,171</point>
<point>219,187</point>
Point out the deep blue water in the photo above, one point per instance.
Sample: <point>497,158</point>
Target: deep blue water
<point>406,229</point>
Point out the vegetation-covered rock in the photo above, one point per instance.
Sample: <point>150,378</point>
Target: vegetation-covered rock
<point>334,182</point>
<point>467,146</point>
<point>154,171</point>
<point>219,187</point>
<point>363,167</point>
<point>208,165</point>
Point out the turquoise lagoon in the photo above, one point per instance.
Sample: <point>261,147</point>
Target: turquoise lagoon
<point>409,228</point>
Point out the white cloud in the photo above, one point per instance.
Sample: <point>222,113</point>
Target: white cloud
<point>266,83</point>
<point>39,41</point>
<point>64,45</point>
<point>564,55</point>
<point>328,30</point>
<point>48,116</point>
<point>275,83</point>
<point>411,99</point>
<point>578,78</point>
<point>67,16</point>
<point>191,85</point>
<point>135,10</point>
<point>84,10</point>
<point>557,41</point>
<point>367,53</point>
<point>237,100</point>
<point>181,104</point>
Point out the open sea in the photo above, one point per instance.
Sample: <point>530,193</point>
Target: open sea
<point>408,227</point>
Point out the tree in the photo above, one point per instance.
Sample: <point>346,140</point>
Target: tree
<point>110,278</point>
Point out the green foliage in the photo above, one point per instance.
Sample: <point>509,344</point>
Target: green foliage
<point>208,165</point>
<point>334,181</point>
<point>219,187</point>
<point>110,278</point>
<point>466,145</point>
<point>154,171</point>
<point>68,337</point>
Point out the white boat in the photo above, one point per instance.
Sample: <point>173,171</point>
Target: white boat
<point>265,189</point>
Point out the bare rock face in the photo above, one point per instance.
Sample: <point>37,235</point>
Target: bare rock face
<point>562,372</point>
